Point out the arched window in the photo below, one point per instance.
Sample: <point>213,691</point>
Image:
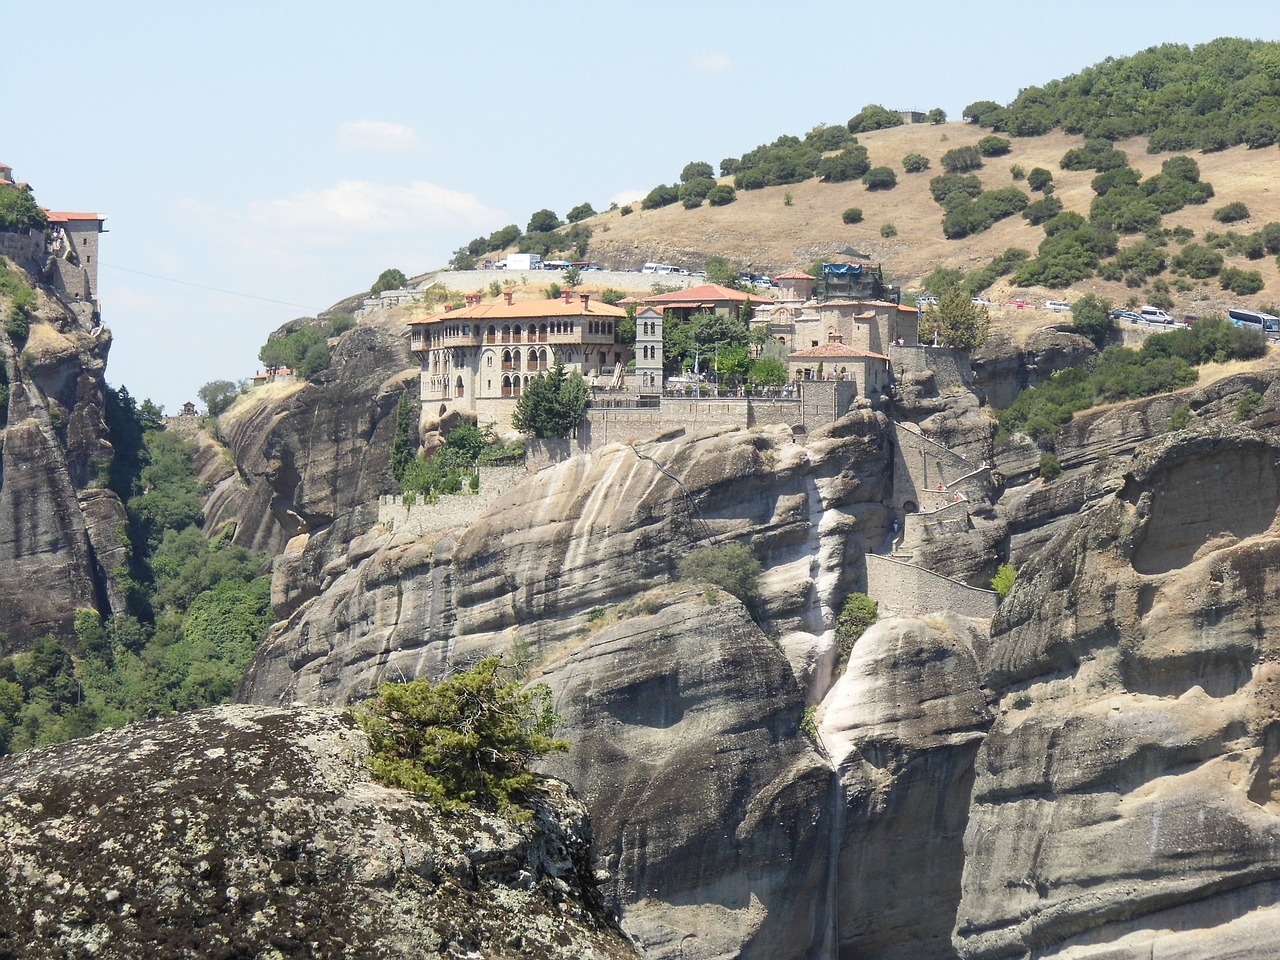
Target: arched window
<point>506,333</point>
<point>515,386</point>
<point>488,359</point>
<point>492,334</point>
<point>506,385</point>
<point>515,359</point>
<point>460,387</point>
<point>506,359</point>
<point>542,333</point>
<point>515,333</point>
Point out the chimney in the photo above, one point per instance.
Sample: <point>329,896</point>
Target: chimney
<point>509,294</point>
<point>586,301</point>
<point>473,299</point>
<point>448,307</point>
<point>567,295</point>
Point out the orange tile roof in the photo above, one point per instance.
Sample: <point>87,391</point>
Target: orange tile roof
<point>794,275</point>
<point>527,310</point>
<point>835,351</point>
<point>705,292</point>
<point>61,216</point>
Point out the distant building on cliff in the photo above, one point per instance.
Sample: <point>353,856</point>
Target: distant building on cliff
<point>478,359</point>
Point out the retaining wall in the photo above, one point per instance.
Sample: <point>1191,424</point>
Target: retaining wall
<point>452,509</point>
<point>904,588</point>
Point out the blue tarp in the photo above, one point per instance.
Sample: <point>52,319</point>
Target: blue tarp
<point>842,269</point>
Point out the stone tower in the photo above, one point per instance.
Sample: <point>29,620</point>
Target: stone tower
<point>649,352</point>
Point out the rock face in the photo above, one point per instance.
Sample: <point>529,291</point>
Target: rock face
<point>593,531</point>
<point>254,832</point>
<point>1126,801</point>
<point>320,451</point>
<point>56,530</point>
<point>714,812</point>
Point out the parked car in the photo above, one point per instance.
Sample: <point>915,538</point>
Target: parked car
<point>1128,316</point>
<point>981,302</point>
<point>926,299</point>
<point>1057,306</point>
<point>1019,302</point>
<point>1151,314</point>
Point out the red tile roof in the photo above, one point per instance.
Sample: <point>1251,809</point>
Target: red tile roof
<point>794,275</point>
<point>835,351</point>
<point>527,310</point>
<point>706,292</point>
<point>62,216</point>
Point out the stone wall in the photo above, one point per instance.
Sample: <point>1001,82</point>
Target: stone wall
<point>26,249</point>
<point>920,465</point>
<point>451,510</point>
<point>904,588</point>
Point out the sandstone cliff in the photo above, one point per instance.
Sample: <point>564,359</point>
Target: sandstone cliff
<point>1125,798</point>
<point>252,832</point>
<point>308,454</point>
<point>56,528</point>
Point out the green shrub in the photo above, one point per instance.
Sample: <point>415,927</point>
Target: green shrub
<point>660,196</point>
<point>1180,417</point>
<point>1039,179</point>
<point>852,215</point>
<point>1017,172</point>
<point>856,616</point>
<point>849,164</point>
<point>880,178</point>
<point>1241,282</point>
<point>1248,406</point>
<point>732,567</point>
<point>961,160</point>
<point>944,185</point>
<point>467,741</point>
<point>915,163</point>
<point>1003,581</point>
<point>888,231</point>
<point>1231,213</point>
<point>625,210</point>
<point>721,195</point>
<point>1050,466</point>
<point>993,146</point>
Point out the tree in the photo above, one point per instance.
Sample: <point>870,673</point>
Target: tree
<point>551,405</point>
<point>956,320</point>
<point>856,616</point>
<point>982,112</point>
<point>874,117</point>
<point>466,741</point>
<point>852,215</point>
<point>1003,581</point>
<point>544,221</point>
<point>721,195</point>
<point>696,170</point>
<point>993,146</point>
<point>19,211</point>
<point>217,396</point>
<point>767,372</point>
<point>580,212</point>
<point>961,160</point>
<point>1231,213</point>
<point>936,115</point>
<point>390,279</point>
<point>728,166</point>
<point>880,178</point>
<point>1091,316</point>
<point>660,196</point>
<point>732,567</point>
<point>915,163</point>
<point>1039,179</point>
<point>849,164</point>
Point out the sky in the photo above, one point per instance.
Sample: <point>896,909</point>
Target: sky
<point>260,161</point>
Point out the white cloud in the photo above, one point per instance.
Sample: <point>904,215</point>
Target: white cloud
<point>627,196</point>
<point>377,136</point>
<point>712,62</point>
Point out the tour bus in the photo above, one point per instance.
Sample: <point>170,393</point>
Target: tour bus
<point>1255,320</point>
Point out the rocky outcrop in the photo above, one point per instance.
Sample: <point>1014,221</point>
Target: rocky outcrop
<point>56,530</point>
<point>311,453</point>
<point>1125,803</point>
<point>712,811</point>
<point>593,531</point>
<point>243,831</point>
<point>1002,369</point>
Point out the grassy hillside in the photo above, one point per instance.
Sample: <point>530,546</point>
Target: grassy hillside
<point>761,231</point>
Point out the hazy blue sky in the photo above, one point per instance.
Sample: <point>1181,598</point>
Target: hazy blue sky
<point>293,150</point>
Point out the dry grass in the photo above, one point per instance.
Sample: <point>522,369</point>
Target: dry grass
<point>1213,372</point>
<point>759,231</point>
<point>248,402</point>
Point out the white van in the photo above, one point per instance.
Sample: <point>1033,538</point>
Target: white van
<point>1154,315</point>
<point>1057,306</point>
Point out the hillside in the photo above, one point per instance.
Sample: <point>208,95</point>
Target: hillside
<point>760,231</point>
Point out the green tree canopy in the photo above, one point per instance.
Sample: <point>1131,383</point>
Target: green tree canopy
<point>580,212</point>
<point>466,741</point>
<point>543,221</point>
<point>874,117</point>
<point>552,405</point>
<point>217,395</point>
<point>1091,316</point>
<point>391,279</point>
<point>956,320</point>
<point>697,170</point>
